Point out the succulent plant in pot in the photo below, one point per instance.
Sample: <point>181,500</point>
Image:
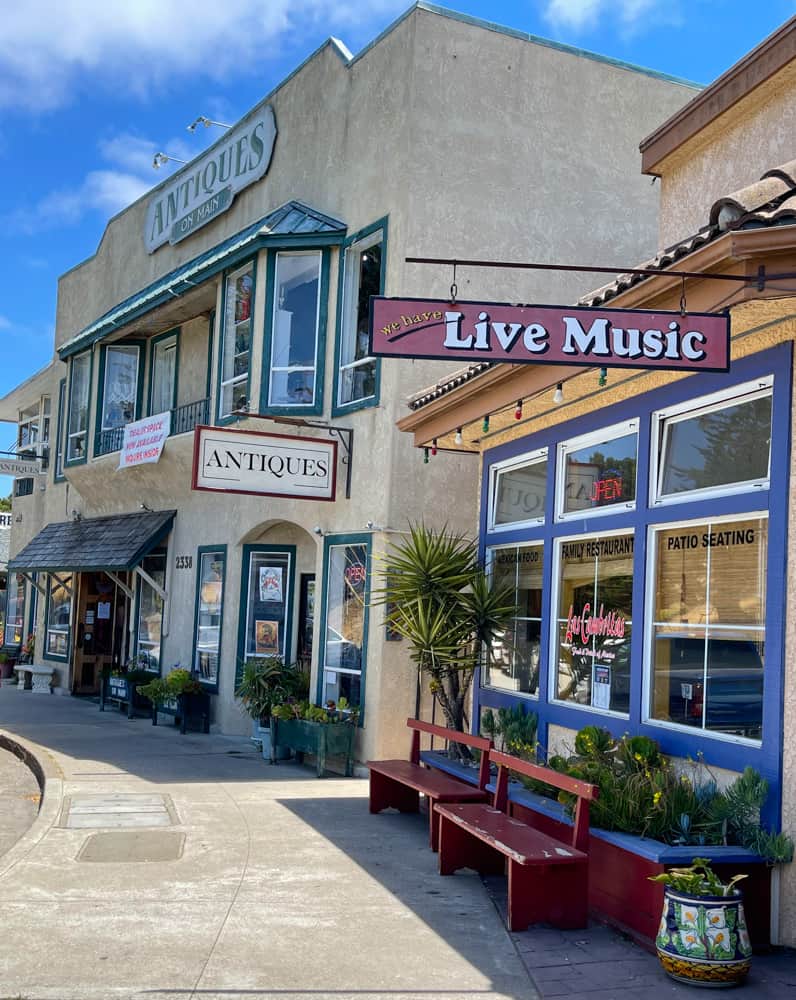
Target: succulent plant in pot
<point>267,681</point>
<point>703,938</point>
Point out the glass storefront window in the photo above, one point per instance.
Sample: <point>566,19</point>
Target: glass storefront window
<point>294,343</point>
<point>715,447</point>
<point>362,278</point>
<point>598,471</point>
<point>513,662</point>
<point>268,602</point>
<point>150,612</point>
<point>708,631</point>
<point>236,341</point>
<point>15,610</point>
<point>209,610</point>
<point>519,491</point>
<point>594,622</point>
<point>59,613</point>
<point>77,418</point>
<point>346,608</point>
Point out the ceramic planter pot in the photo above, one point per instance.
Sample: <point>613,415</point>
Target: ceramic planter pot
<point>703,940</point>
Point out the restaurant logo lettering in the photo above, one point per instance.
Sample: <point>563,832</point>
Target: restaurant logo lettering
<point>586,626</point>
<point>571,335</point>
<point>207,186</point>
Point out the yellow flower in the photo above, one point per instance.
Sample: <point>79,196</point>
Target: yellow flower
<point>719,938</point>
<point>690,939</point>
<point>656,798</point>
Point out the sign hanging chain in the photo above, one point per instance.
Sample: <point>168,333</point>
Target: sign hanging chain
<point>454,287</point>
<point>683,304</point>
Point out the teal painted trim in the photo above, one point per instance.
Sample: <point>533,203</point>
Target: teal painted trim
<point>57,657</point>
<point>59,440</point>
<point>243,606</point>
<point>230,261</point>
<point>524,36</point>
<point>139,386</point>
<point>33,606</point>
<point>341,409</point>
<point>218,420</point>
<point>68,464</point>
<point>357,538</point>
<point>316,409</point>
<point>202,550</point>
<point>136,611</point>
<point>176,332</point>
<point>211,331</point>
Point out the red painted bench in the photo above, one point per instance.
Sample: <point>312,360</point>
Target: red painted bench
<point>398,784</point>
<point>548,879</point>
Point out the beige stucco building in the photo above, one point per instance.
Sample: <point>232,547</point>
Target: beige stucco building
<point>234,296</point>
<point>688,522</point>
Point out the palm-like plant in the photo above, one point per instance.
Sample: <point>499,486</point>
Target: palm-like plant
<point>440,600</point>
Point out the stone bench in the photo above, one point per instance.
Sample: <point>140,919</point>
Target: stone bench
<point>41,676</point>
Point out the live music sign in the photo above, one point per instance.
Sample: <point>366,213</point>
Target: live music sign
<point>564,335</point>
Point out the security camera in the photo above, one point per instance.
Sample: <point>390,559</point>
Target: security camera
<point>318,530</point>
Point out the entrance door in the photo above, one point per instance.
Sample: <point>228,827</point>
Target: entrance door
<point>99,635</point>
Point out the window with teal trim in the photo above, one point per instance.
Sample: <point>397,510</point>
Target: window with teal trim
<point>150,612</point>
<point>59,613</point>
<point>295,324</point>
<point>163,391</point>
<point>361,279</point>
<point>268,605</point>
<point>209,609</point>
<point>59,443</point>
<point>236,341</point>
<point>15,610</point>
<point>346,608</point>
<point>77,420</point>
<point>119,393</point>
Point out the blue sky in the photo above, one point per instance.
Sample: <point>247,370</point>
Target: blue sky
<point>90,90</point>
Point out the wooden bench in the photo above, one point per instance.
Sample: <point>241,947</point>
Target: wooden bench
<point>398,784</point>
<point>548,879</point>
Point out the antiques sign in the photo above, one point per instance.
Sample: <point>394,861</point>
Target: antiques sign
<point>19,467</point>
<point>564,335</point>
<point>275,465</point>
<point>206,187</point>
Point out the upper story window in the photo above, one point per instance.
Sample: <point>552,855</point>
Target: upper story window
<point>518,490</point>
<point>28,429</point>
<point>717,444</point>
<point>361,279</point>
<point>77,421</point>
<point>236,341</point>
<point>163,374</point>
<point>59,443</point>
<point>119,387</point>
<point>295,329</point>
<point>597,472</point>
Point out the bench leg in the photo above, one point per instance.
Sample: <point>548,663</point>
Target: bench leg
<point>459,849</point>
<point>388,794</point>
<point>555,894</point>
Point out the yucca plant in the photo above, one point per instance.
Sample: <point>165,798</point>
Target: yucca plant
<point>440,600</point>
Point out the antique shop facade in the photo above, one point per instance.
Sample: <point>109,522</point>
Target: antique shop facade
<point>645,518</point>
<point>222,468</point>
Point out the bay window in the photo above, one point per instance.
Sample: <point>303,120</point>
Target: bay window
<point>163,374</point>
<point>118,394</point>
<point>59,430</point>
<point>77,416</point>
<point>295,327</point>
<point>343,651</point>
<point>58,616</point>
<point>236,341</point>
<point>362,277</point>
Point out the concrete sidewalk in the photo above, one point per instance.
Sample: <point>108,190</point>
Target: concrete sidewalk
<point>264,882</point>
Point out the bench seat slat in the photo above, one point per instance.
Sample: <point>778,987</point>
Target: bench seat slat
<point>432,783</point>
<point>510,836</point>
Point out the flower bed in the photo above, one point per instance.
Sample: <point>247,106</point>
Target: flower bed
<point>319,738</point>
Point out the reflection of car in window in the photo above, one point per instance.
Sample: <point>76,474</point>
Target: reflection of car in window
<point>341,653</point>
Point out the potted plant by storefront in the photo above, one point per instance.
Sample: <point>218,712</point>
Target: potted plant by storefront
<point>181,695</point>
<point>324,732</point>
<point>703,938</point>
<point>123,684</point>
<point>6,666</point>
<point>266,681</point>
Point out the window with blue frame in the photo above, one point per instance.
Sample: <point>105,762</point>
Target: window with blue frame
<point>513,661</point>
<point>655,609</point>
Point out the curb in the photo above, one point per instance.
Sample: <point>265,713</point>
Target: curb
<point>49,778</point>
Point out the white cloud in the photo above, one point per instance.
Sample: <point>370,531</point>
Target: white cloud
<point>49,49</point>
<point>583,14</point>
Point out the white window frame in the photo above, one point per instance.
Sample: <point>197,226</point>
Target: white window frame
<point>126,349</point>
<point>489,561</point>
<point>552,678</point>
<point>649,625</point>
<point>508,465</point>
<point>226,330</point>
<point>71,435</point>
<point>159,351</point>
<point>746,392</point>
<point>602,436</point>
<point>273,368</point>
<point>351,269</point>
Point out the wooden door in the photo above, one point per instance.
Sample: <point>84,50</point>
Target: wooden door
<point>96,632</point>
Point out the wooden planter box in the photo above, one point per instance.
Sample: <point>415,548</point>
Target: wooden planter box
<point>323,739</point>
<point>123,693</point>
<point>193,709</point>
<point>620,863</point>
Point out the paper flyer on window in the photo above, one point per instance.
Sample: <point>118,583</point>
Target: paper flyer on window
<point>271,583</point>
